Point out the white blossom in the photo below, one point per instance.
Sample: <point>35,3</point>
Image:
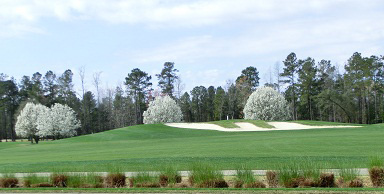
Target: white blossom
<point>27,121</point>
<point>266,104</point>
<point>38,120</point>
<point>162,110</point>
<point>60,121</point>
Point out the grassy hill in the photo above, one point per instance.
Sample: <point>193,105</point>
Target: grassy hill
<point>151,147</point>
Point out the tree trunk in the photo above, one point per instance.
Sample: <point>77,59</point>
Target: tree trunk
<point>36,139</point>
<point>294,101</point>
<point>310,108</point>
<point>376,117</point>
<point>360,110</point>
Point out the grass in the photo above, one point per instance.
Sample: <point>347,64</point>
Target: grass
<point>376,161</point>
<point>171,173</point>
<point>145,177</point>
<point>33,179</point>
<point>232,123</point>
<point>83,179</point>
<point>245,175</point>
<point>225,123</point>
<point>288,172</point>
<point>192,190</point>
<point>348,174</point>
<point>151,147</point>
<point>201,173</point>
<point>323,123</point>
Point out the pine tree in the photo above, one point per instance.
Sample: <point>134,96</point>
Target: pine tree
<point>290,72</point>
<point>138,84</point>
<point>167,78</point>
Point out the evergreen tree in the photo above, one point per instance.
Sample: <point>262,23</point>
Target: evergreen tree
<point>138,84</point>
<point>9,101</point>
<point>36,93</point>
<point>219,103</point>
<point>167,78</point>
<point>210,103</point>
<point>185,106</point>
<point>50,88</point>
<point>308,87</point>
<point>326,75</point>
<point>249,76</point>
<point>89,114</point>
<point>66,94</point>
<point>199,103</point>
<point>290,73</point>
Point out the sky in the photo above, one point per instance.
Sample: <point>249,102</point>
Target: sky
<point>210,41</point>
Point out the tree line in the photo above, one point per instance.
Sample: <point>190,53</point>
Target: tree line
<point>315,91</point>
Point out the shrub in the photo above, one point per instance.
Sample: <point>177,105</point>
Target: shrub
<point>272,179</point>
<point>115,180</point>
<point>162,110</point>
<point>377,176</point>
<point>327,180</point>
<point>8,182</point>
<point>266,104</point>
<point>60,180</point>
<point>163,180</point>
<point>376,171</point>
<point>356,183</point>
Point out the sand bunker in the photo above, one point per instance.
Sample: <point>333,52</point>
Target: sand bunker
<point>244,126</point>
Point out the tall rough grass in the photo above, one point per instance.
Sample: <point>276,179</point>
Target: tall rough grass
<point>169,175</point>
<point>32,180</point>
<point>85,180</point>
<point>245,178</point>
<point>305,173</point>
<point>145,179</point>
<point>289,174</point>
<point>206,176</point>
<point>348,176</point>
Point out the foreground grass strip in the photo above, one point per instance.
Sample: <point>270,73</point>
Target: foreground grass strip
<point>193,190</point>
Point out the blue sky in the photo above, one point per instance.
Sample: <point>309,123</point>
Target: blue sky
<point>210,41</point>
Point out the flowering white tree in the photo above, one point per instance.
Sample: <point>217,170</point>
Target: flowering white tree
<point>59,121</point>
<point>266,104</point>
<point>162,110</point>
<point>27,121</point>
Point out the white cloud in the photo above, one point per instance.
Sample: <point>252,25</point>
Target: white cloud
<point>168,13</point>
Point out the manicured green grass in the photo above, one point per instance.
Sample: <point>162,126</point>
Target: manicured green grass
<point>151,147</point>
<point>226,123</point>
<point>323,123</point>
<point>259,123</point>
<point>232,123</point>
